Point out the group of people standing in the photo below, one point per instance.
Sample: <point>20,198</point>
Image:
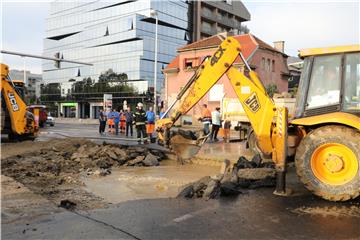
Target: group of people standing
<point>143,121</point>
<point>214,119</point>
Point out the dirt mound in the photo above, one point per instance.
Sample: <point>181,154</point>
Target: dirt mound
<point>243,175</point>
<point>54,169</point>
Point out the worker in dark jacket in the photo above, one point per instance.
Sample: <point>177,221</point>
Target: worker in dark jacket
<point>140,123</point>
<point>129,121</point>
<point>102,122</point>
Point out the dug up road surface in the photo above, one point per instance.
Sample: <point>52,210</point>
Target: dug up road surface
<point>59,189</point>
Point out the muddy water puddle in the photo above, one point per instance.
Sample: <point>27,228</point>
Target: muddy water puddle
<point>132,183</point>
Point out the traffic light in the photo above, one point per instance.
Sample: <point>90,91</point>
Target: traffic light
<point>57,63</point>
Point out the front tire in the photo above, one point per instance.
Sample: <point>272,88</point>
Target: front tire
<point>328,162</point>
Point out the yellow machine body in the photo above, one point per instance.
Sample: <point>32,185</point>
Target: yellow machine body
<point>21,121</point>
<point>335,164</point>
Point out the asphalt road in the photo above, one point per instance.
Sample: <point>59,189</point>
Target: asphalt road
<point>254,214</point>
<point>61,130</point>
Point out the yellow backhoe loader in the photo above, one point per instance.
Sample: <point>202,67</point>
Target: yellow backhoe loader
<point>16,120</point>
<point>324,134</point>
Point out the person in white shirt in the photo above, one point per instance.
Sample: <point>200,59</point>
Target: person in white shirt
<point>216,122</point>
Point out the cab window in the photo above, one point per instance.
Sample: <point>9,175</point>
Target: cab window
<point>325,82</point>
<point>352,82</point>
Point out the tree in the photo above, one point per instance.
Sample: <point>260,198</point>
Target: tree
<point>108,82</point>
<point>50,92</point>
<point>271,89</point>
<point>244,29</point>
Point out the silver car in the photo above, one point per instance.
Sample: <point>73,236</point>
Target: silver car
<point>50,120</point>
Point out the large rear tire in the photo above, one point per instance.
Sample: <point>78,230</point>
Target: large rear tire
<point>328,162</point>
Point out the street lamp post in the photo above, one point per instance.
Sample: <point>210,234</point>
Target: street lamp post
<point>24,63</point>
<point>154,14</point>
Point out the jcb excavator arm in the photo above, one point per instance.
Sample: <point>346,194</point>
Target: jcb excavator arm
<point>208,73</point>
<point>268,122</point>
<point>252,95</point>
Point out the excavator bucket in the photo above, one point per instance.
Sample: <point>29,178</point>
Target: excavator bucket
<point>185,144</point>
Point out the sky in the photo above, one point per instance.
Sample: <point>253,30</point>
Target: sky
<point>300,23</point>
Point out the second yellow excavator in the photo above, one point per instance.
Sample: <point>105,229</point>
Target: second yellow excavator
<point>17,121</point>
<point>324,135</point>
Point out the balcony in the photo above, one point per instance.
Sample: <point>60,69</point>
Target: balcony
<point>225,21</point>
<point>209,31</point>
<point>208,15</point>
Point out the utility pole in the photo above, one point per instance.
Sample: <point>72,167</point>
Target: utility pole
<point>154,14</point>
<point>24,63</point>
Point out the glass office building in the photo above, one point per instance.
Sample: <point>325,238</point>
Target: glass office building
<point>117,35</point>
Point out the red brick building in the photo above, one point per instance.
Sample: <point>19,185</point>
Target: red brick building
<point>268,62</point>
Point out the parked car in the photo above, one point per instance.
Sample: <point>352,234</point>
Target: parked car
<point>50,120</point>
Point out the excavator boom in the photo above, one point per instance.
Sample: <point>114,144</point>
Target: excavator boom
<point>258,106</point>
<point>207,75</point>
<point>268,122</point>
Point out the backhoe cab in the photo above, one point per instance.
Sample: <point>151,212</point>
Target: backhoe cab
<point>330,81</point>
<point>325,133</point>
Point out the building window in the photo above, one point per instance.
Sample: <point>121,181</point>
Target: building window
<point>186,36</point>
<point>268,65</point>
<point>190,63</point>
<point>106,32</point>
<point>206,27</point>
<point>207,11</point>
<point>273,65</point>
<point>130,25</point>
<point>263,63</point>
<point>221,15</point>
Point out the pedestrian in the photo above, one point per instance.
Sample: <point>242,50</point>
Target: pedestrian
<point>122,121</point>
<point>162,113</point>
<point>110,117</point>
<point>206,119</point>
<point>227,126</point>
<point>140,121</point>
<point>116,119</point>
<point>129,121</point>
<point>216,121</point>
<point>150,126</point>
<point>102,121</point>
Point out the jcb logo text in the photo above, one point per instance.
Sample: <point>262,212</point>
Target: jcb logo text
<point>252,102</point>
<point>13,102</point>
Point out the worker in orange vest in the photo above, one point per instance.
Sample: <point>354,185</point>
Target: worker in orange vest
<point>150,120</point>
<point>110,117</point>
<point>206,119</point>
<point>122,121</point>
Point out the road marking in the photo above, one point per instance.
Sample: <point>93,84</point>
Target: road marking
<point>188,216</point>
<point>182,218</point>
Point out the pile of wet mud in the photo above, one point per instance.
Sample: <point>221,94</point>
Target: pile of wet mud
<point>54,170</point>
<point>232,180</point>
